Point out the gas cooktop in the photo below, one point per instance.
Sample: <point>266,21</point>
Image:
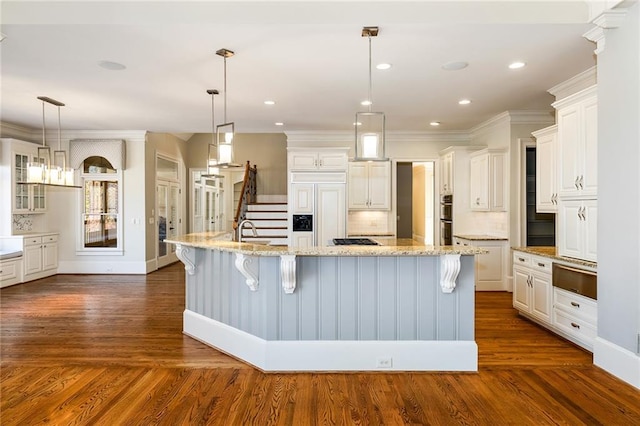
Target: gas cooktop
<point>354,242</point>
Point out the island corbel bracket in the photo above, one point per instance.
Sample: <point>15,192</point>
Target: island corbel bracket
<point>449,270</point>
<point>182,252</point>
<point>244,265</point>
<point>288,273</point>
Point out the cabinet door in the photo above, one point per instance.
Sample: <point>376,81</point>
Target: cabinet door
<point>570,223</point>
<point>541,296</point>
<point>302,239</point>
<point>479,182</point>
<point>331,213</point>
<point>332,160</point>
<point>302,198</point>
<point>569,152</point>
<point>32,259</point>
<point>21,197</point>
<point>590,225</point>
<point>497,193</point>
<point>303,161</point>
<point>446,175</point>
<point>380,185</point>
<point>546,174</point>
<point>589,173</point>
<point>358,185</point>
<point>521,289</point>
<point>49,256</point>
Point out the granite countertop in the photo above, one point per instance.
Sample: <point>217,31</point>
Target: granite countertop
<point>389,247</point>
<point>551,252</point>
<point>480,237</point>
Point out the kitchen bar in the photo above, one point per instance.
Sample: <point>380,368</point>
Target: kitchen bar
<point>395,306</point>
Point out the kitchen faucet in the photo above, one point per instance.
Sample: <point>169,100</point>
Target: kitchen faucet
<point>253,228</point>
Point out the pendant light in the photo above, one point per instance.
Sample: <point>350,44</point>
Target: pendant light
<point>225,132</point>
<point>47,169</point>
<point>370,137</point>
<point>212,168</point>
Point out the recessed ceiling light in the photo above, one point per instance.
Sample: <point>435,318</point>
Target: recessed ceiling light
<point>366,103</point>
<point>464,101</point>
<point>112,66</point>
<point>516,65</point>
<point>455,66</point>
<point>279,124</point>
<point>435,123</point>
<point>383,66</point>
<point>269,102</point>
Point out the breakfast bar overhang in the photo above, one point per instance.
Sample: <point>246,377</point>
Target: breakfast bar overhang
<point>342,308</point>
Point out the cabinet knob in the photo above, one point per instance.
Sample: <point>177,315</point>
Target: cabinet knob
<point>542,265</point>
<point>521,259</point>
<point>575,305</point>
<point>574,325</point>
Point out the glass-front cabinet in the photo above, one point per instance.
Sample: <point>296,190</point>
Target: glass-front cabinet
<point>27,198</point>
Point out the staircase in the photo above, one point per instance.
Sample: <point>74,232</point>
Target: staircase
<point>269,215</point>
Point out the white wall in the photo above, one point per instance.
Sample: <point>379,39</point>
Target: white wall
<point>619,196</point>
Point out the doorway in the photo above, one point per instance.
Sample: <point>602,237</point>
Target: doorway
<point>168,212</point>
<point>415,201</point>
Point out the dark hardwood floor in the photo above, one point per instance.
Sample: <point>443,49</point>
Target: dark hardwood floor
<point>108,350</point>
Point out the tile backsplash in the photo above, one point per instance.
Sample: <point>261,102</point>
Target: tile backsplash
<point>368,223</point>
<point>25,223</point>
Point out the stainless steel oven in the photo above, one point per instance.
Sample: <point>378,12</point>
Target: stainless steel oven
<point>446,220</point>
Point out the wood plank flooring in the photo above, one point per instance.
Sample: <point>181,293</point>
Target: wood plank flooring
<point>108,350</point>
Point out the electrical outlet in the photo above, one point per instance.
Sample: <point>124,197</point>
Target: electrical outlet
<point>384,362</point>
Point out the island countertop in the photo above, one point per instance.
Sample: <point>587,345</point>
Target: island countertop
<point>387,247</point>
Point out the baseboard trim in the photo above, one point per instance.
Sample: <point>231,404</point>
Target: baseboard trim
<point>332,355</point>
<point>618,361</point>
<point>101,267</point>
<point>151,265</point>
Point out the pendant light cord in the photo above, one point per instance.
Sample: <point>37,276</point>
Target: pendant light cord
<point>225,89</point>
<point>370,98</point>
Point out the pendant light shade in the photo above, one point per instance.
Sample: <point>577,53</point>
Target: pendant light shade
<point>225,132</point>
<point>370,126</point>
<point>212,169</point>
<point>48,169</point>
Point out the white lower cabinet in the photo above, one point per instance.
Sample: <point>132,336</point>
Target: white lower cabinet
<point>10,272</point>
<point>576,316</point>
<point>40,256</point>
<point>491,266</point>
<point>532,286</point>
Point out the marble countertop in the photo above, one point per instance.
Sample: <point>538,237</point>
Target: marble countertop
<point>552,253</point>
<point>480,237</point>
<point>388,247</point>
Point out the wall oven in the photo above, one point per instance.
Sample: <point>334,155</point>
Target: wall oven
<point>446,220</point>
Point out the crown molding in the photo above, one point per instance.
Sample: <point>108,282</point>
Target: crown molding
<point>607,20</point>
<point>15,131</point>
<point>331,138</point>
<point>516,117</point>
<point>575,84</point>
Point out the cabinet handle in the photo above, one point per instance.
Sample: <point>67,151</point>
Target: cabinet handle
<point>477,201</point>
<point>574,304</point>
<point>574,325</point>
<point>575,182</point>
<point>320,163</point>
<point>581,181</point>
<point>521,259</point>
<point>584,213</point>
<point>542,265</point>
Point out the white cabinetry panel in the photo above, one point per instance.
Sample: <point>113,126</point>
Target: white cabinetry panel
<point>370,185</point>
<point>546,164</point>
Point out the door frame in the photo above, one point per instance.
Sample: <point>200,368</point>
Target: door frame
<point>178,182</point>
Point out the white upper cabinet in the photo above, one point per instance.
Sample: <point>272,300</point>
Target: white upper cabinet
<point>578,144</point>
<point>546,165</point>
<point>487,183</point>
<point>370,185</point>
<point>446,173</point>
<point>317,159</point>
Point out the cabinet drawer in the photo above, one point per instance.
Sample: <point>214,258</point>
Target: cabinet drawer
<point>8,269</point>
<point>541,264</point>
<point>32,241</point>
<point>521,259</point>
<point>576,305</point>
<point>49,238</point>
<point>574,326</point>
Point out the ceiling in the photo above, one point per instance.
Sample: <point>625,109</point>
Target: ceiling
<point>308,57</point>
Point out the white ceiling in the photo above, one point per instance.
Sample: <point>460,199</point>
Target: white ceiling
<point>309,57</point>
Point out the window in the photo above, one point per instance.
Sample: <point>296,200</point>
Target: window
<point>101,208</point>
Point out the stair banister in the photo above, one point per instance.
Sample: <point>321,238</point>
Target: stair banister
<point>247,194</point>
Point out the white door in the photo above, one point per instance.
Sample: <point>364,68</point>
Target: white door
<point>168,220</point>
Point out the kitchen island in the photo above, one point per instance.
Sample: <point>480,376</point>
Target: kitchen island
<point>399,306</point>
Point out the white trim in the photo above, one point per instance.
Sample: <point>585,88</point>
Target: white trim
<point>575,84</point>
<point>618,361</point>
<point>102,267</point>
<point>332,355</point>
<point>151,265</point>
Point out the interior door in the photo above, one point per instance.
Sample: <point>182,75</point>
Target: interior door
<point>169,220</point>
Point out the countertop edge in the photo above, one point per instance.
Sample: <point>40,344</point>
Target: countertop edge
<point>538,251</point>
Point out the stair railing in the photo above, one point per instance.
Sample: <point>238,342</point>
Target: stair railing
<point>247,195</point>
